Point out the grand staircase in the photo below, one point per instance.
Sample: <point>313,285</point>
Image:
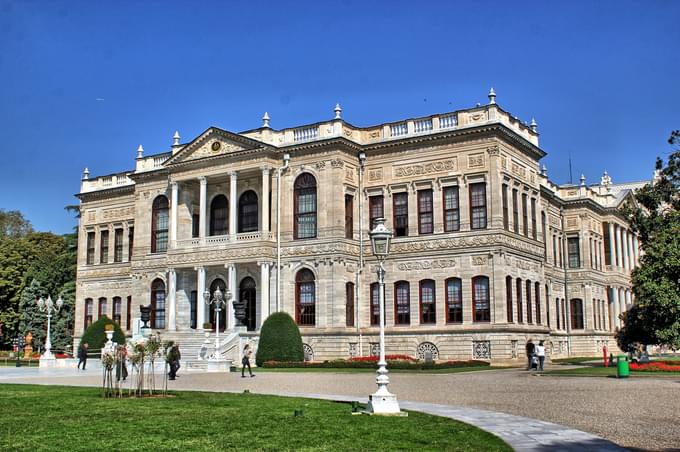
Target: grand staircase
<point>195,351</point>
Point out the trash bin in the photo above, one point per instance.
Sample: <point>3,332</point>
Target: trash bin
<point>622,367</point>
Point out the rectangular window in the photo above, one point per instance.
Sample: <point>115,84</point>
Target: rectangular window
<point>90,248</point>
<point>104,247</point>
<point>607,243</point>
<point>88,312</point>
<point>564,315</point>
<point>557,312</point>
<point>103,308</point>
<point>525,215</point>
<point>508,299</point>
<point>562,252</point>
<point>538,303</point>
<point>128,320</point>
<point>425,215</point>
<point>451,209</point>
<point>427,302</point>
<point>117,310</point>
<point>478,205</point>
<point>520,303</point>
<point>555,250</point>
<point>547,305</point>
<point>530,308</point>
<point>193,309</point>
<point>504,197</point>
<point>574,252</point>
<point>534,231</point>
<point>375,304</point>
<point>195,223</point>
<point>349,304</point>
<point>402,303</point>
<point>576,314</point>
<point>515,212</point>
<point>590,250</point>
<point>349,216</point>
<point>400,206</point>
<point>481,307</point>
<point>544,222</point>
<point>454,301</point>
<point>131,237</point>
<point>118,245</point>
<point>376,209</point>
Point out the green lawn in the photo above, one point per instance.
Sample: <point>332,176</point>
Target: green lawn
<point>450,370</point>
<point>576,359</point>
<point>65,418</point>
<point>601,371</point>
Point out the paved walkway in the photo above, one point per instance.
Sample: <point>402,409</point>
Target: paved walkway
<point>506,403</point>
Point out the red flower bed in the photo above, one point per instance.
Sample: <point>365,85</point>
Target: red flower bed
<point>387,357</point>
<point>656,366</point>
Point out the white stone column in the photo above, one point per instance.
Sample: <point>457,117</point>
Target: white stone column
<point>624,247</point>
<point>616,307</point>
<point>202,214</point>
<point>264,227</point>
<point>264,292</point>
<point>200,302</point>
<point>172,304</point>
<point>173,214</point>
<point>636,251</point>
<point>233,204</point>
<point>612,245</point>
<point>631,258</point>
<point>622,301</point>
<point>231,284</point>
<point>629,302</point>
<point>619,255</point>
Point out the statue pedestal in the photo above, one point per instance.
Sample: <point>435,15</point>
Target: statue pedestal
<point>218,365</point>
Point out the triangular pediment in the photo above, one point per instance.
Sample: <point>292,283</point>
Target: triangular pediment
<point>212,143</point>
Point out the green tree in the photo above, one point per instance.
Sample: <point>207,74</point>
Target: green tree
<point>280,340</point>
<point>655,216</point>
<point>13,224</point>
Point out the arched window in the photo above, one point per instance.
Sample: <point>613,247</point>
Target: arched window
<point>428,302</point>
<point>481,307</point>
<point>576,314</point>
<point>247,294</point>
<point>375,304</point>
<point>247,212</point>
<point>305,207</point>
<point>219,216</point>
<point>160,216</point>
<point>530,309</point>
<point>537,298</point>
<point>305,298</point>
<point>520,310</point>
<point>117,309</point>
<point>349,304</point>
<point>402,303</point>
<point>102,308</point>
<point>454,300</point>
<point>158,304</point>
<point>508,298</point>
<point>88,312</point>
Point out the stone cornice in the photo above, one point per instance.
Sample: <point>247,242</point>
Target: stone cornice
<point>106,193</point>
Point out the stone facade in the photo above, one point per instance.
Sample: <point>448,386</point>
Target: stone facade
<point>477,225</point>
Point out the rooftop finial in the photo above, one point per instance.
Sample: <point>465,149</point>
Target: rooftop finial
<point>606,180</point>
<point>544,171</point>
<point>265,120</point>
<point>86,174</point>
<point>140,152</point>
<point>492,96</point>
<point>533,125</point>
<point>583,180</point>
<point>175,138</point>
<point>337,111</point>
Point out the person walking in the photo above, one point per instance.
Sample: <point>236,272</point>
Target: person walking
<point>245,361</point>
<point>540,353</point>
<point>173,358</point>
<point>82,355</point>
<point>530,349</point>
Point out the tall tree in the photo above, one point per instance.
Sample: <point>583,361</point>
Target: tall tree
<point>655,318</point>
<point>13,224</point>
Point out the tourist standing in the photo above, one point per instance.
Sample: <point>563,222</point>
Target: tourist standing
<point>173,358</point>
<point>82,355</point>
<point>540,353</point>
<point>530,348</point>
<point>247,353</point>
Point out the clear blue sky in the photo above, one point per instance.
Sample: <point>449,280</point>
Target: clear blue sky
<point>601,78</point>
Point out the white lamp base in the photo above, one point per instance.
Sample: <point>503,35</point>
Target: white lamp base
<point>383,403</point>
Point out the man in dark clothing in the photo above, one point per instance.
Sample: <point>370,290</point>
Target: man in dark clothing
<point>82,355</point>
<point>531,348</point>
<point>173,359</point>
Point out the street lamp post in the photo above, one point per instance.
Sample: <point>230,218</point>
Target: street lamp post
<point>49,306</point>
<point>382,401</point>
<point>219,301</point>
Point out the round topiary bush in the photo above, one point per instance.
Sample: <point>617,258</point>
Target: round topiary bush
<point>280,340</point>
<point>95,335</point>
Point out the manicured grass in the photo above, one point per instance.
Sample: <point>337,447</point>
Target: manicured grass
<point>450,370</point>
<point>576,359</point>
<point>601,371</point>
<point>65,418</point>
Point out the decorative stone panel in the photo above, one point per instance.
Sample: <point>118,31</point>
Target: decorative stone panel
<point>427,348</point>
<point>308,351</point>
<point>481,349</point>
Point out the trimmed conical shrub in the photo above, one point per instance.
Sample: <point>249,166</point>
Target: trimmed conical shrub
<point>280,340</point>
<point>95,335</point>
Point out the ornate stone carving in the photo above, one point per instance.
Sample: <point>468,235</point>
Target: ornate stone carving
<point>118,214</point>
<point>518,170</point>
<point>504,163</point>
<point>308,351</point>
<point>347,133</point>
<point>349,173</point>
<point>481,349</point>
<point>493,150</point>
<point>375,175</point>
<point>427,264</point>
<point>374,134</point>
<point>480,260</point>
<point>337,163</point>
<point>320,165</point>
<point>476,161</point>
<point>427,349</point>
<point>214,146</point>
<point>353,349</point>
<point>466,242</point>
<point>524,265</point>
<point>374,348</point>
<point>439,166</point>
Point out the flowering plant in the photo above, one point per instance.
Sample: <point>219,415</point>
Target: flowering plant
<point>656,366</point>
<point>387,357</point>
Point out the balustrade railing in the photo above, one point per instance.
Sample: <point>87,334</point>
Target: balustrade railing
<point>224,239</point>
<point>305,133</point>
<point>448,121</point>
<point>397,130</point>
<point>423,125</point>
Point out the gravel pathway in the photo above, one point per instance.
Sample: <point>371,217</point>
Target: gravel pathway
<point>640,413</point>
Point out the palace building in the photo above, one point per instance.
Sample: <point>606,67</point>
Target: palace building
<point>487,250</point>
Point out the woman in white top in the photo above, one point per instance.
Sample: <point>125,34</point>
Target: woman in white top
<point>540,353</point>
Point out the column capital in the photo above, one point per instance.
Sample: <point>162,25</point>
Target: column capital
<point>230,265</point>
<point>199,268</point>
<point>171,270</point>
<point>261,263</point>
<point>202,179</point>
<point>233,174</point>
<point>265,169</point>
<point>174,184</point>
